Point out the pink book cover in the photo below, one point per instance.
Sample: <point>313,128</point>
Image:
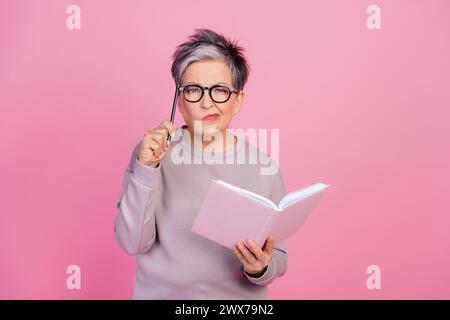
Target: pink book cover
<point>227,216</point>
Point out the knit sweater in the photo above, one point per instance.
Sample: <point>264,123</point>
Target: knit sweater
<point>156,210</point>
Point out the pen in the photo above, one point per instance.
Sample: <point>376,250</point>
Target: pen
<point>174,107</point>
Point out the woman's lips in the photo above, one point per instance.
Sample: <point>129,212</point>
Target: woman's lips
<point>210,117</point>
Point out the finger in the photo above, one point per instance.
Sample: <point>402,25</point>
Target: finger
<point>168,125</point>
<point>146,150</point>
<point>162,142</point>
<point>269,245</point>
<point>165,147</point>
<point>160,136</point>
<point>256,250</point>
<point>147,153</point>
<point>163,136</point>
<point>156,147</point>
<point>246,253</point>
<point>240,257</point>
<point>165,128</point>
<point>150,131</point>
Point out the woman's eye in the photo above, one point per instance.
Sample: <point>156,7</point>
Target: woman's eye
<point>192,90</point>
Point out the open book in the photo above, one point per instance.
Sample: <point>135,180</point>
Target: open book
<point>230,214</point>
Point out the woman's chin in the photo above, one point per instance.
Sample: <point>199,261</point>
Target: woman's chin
<point>208,128</point>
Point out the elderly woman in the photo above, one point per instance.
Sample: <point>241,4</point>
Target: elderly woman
<point>160,198</point>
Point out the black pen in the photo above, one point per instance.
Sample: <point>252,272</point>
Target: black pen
<point>172,115</point>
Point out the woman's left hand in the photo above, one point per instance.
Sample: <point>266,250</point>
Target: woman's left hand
<point>255,260</point>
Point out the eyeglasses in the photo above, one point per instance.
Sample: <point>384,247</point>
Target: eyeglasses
<point>218,93</point>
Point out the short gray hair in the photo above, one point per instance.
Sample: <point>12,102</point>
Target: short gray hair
<point>206,44</point>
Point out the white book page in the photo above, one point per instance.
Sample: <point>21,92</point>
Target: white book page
<point>248,193</point>
<point>294,196</point>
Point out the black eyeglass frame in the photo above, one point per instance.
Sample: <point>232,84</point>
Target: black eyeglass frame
<point>230,90</point>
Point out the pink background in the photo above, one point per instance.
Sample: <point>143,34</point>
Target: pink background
<point>364,111</point>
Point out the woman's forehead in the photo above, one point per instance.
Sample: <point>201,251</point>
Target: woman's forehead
<point>207,72</point>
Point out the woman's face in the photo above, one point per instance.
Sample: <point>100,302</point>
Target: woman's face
<point>207,74</point>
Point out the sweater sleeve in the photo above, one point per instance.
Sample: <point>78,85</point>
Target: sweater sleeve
<point>278,264</point>
<point>135,224</point>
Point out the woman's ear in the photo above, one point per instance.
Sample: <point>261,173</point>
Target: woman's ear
<point>239,100</point>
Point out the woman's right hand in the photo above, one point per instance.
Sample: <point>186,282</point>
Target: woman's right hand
<point>154,144</point>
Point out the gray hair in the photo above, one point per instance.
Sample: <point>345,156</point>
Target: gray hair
<point>206,45</point>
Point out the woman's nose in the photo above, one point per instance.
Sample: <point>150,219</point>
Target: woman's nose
<point>206,101</point>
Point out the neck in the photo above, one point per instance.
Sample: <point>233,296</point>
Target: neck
<point>214,142</point>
